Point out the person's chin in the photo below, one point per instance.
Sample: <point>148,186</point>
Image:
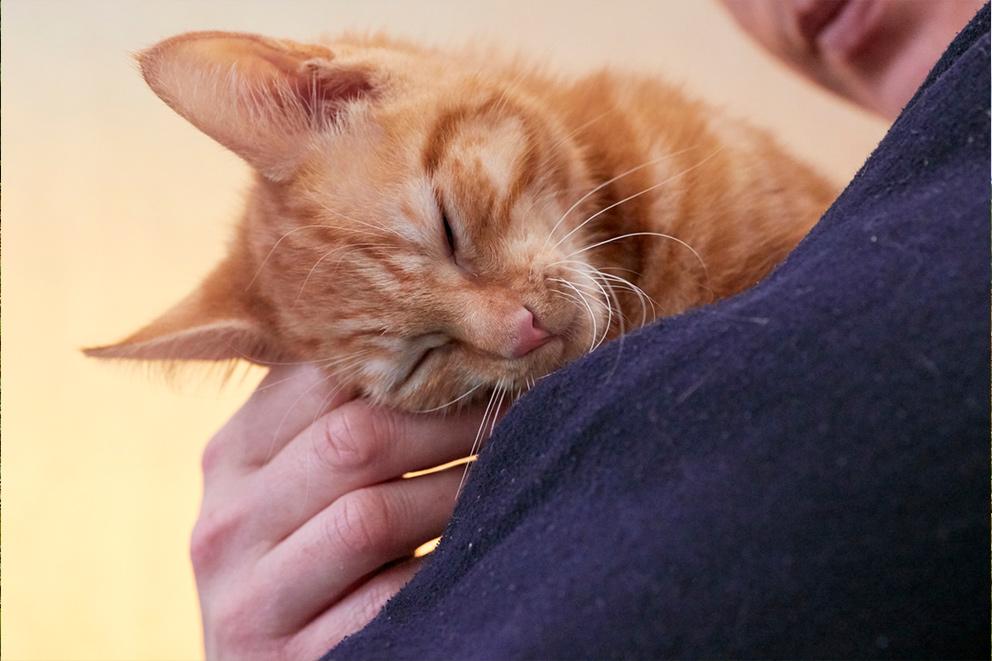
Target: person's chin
<point>873,50</point>
<point>851,31</point>
<point>894,84</point>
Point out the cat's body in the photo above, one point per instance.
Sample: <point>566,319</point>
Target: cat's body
<point>428,226</point>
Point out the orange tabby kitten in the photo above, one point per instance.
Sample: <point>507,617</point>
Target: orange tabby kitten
<point>429,226</point>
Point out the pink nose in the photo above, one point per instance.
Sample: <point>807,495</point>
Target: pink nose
<point>529,334</point>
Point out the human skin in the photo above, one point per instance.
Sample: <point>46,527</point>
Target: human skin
<point>306,527</point>
<point>875,53</point>
<point>305,530</point>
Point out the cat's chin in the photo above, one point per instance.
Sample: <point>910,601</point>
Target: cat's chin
<point>442,387</point>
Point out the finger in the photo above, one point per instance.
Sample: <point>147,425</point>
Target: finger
<point>353,612</point>
<point>355,535</point>
<point>354,446</point>
<point>285,402</point>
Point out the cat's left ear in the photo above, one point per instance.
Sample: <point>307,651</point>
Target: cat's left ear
<point>217,321</point>
<point>262,98</point>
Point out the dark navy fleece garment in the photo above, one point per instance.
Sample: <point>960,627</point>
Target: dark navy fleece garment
<point>801,471</point>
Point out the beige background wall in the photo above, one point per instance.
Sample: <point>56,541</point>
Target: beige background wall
<point>113,207</point>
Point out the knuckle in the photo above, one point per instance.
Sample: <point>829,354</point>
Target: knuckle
<point>237,624</point>
<point>231,623</point>
<point>211,537</point>
<point>350,440</point>
<point>302,645</point>
<point>375,599</point>
<point>362,523</point>
<point>212,455</point>
<point>223,444</point>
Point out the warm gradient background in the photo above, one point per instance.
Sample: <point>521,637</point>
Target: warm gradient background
<point>112,209</point>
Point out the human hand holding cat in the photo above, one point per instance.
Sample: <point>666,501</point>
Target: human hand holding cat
<point>306,527</point>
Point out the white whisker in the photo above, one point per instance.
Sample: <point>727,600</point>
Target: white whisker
<point>582,127</point>
<point>276,245</point>
<point>499,404</point>
<point>642,296</point>
<point>378,228</point>
<point>656,234</point>
<point>456,399</point>
<point>329,254</point>
<point>592,316</point>
<point>636,195</point>
<point>604,185</point>
<point>605,303</point>
<point>475,443</point>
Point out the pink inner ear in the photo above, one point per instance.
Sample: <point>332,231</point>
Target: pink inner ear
<point>323,94</point>
<point>259,97</point>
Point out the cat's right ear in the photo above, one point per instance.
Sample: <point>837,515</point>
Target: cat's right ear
<point>262,98</point>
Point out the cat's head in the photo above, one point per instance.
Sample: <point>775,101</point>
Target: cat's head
<point>403,231</point>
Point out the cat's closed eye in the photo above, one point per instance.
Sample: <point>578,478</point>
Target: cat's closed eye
<point>449,235</point>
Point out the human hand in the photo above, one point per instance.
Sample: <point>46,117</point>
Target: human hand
<point>306,527</point>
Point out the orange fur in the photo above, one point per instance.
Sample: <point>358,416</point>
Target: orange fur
<point>361,145</point>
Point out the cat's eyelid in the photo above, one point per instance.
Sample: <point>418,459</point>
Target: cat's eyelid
<point>449,231</point>
<point>449,234</point>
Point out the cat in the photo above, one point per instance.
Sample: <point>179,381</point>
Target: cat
<point>432,227</point>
